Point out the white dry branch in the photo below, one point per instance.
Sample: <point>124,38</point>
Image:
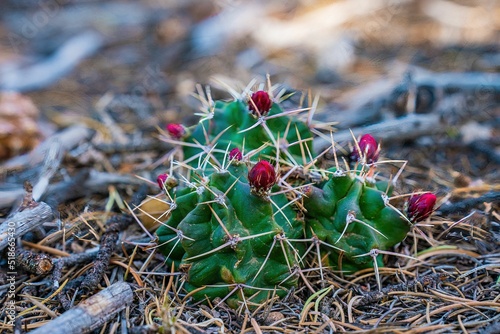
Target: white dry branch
<point>24,221</point>
<point>91,313</point>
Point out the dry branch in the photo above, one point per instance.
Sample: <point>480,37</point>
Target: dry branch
<point>24,221</point>
<point>64,140</point>
<point>92,313</point>
<point>468,203</point>
<point>409,127</point>
<point>81,184</point>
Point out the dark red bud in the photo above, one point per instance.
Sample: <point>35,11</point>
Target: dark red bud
<point>161,179</point>
<point>260,103</point>
<point>419,207</point>
<point>369,149</point>
<point>262,177</point>
<point>175,130</point>
<point>235,154</point>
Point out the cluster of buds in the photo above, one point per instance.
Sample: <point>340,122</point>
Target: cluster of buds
<point>260,103</point>
<point>261,178</point>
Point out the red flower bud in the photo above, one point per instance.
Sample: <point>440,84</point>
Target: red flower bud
<point>161,179</point>
<point>175,130</point>
<point>262,177</point>
<point>419,207</point>
<point>235,154</point>
<point>369,150</point>
<point>260,103</point>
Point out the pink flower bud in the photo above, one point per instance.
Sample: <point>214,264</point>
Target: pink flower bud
<point>261,103</point>
<point>161,179</point>
<point>419,207</point>
<point>235,154</point>
<point>369,150</point>
<point>262,177</point>
<point>175,130</point>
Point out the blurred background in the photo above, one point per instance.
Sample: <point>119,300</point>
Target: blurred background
<point>140,61</point>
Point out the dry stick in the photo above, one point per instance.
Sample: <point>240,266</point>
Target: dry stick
<point>115,225</point>
<point>55,146</point>
<point>29,216</point>
<point>375,296</point>
<point>83,183</point>
<point>91,313</point>
<point>416,125</point>
<point>468,203</point>
<point>408,127</point>
<point>49,70</point>
<point>68,139</point>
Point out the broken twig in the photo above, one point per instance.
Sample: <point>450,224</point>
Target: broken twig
<point>29,216</point>
<point>91,313</point>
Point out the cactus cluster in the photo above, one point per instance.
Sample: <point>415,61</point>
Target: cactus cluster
<point>241,222</point>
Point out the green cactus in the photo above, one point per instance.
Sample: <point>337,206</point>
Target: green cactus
<point>234,240</point>
<point>230,242</point>
<point>351,215</point>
